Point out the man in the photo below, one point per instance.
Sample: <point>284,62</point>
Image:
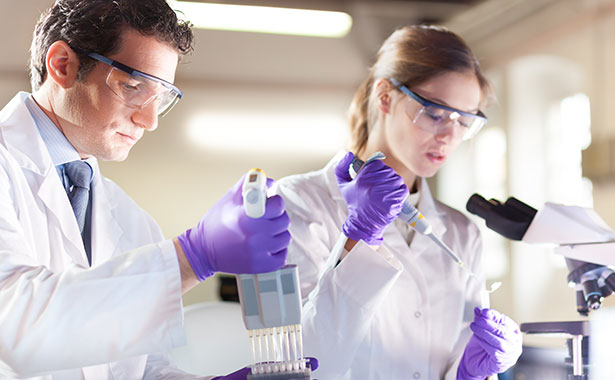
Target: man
<point>89,288</point>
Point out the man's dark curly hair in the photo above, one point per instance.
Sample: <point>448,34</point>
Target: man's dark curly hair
<point>97,25</point>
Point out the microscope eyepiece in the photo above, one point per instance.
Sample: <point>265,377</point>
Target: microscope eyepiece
<point>478,205</point>
<point>510,219</point>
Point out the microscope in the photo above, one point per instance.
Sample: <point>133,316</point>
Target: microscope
<point>592,279</point>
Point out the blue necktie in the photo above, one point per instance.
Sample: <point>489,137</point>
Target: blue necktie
<point>79,174</point>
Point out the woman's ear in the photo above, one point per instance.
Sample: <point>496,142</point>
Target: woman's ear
<point>383,94</point>
<point>62,64</point>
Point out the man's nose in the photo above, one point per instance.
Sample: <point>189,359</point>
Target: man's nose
<point>147,117</point>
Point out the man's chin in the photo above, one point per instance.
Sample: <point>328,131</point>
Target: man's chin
<point>117,156</point>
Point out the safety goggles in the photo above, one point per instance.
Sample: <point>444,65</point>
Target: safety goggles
<point>436,118</point>
<point>136,88</point>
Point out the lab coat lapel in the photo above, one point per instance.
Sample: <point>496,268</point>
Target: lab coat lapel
<point>394,240</point>
<point>334,191</point>
<point>330,179</point>
<point>125,369</point>
<point>427,206</point>
<point>96,372</point>
<point>57,202</point>
<point>420,244</point>
<point>106,231</point>
<point>25,144</point>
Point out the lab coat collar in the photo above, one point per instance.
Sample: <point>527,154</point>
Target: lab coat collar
<point>26,146</point>
<point>21,138</point>
<point>430,210</point>
<point>106,231</point>
<point>330,179</point>
<point>395,240</point>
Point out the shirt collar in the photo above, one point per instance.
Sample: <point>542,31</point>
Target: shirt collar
<point>60,149</point>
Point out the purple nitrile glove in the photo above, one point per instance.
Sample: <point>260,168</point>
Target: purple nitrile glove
<point>494,346</point>
<point>227,240</point>
<point>312,363</point>
<point>242,374</point>
<point>374,199</point>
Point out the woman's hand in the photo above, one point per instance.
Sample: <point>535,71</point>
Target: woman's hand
<point>494,347</point>
<point>374,199</point>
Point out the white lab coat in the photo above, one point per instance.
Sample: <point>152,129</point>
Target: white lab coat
<point>56,314</point>
<point>397,313</point>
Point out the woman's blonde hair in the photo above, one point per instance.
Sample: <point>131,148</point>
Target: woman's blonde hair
<point>412,55</point>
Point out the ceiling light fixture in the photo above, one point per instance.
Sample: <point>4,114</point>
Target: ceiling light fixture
<point>238,132</point>
<point>272,20</point>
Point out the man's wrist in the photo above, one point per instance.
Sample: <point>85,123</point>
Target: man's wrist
<point>188,277</point>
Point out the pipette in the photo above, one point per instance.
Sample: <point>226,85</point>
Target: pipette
<point>271,310</point>
<point>271,305</point>
<point>484,295</point>
<point>415,219</point>
<point>485,304</point>
<point>411,214</point>
<point>254,192</point>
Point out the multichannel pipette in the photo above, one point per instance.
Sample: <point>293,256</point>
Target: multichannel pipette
<point>411,214</point>
<point>271,306</point>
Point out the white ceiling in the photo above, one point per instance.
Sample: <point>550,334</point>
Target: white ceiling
<point>258,58</point>
<point>496,30</point>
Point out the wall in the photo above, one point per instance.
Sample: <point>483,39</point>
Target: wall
<point>177,177</point>
<point>538,53</point>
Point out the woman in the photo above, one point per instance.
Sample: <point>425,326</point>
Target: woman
<point>394,305</point>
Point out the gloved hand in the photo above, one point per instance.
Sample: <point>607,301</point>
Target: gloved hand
<point>374,199</point>
<point>242,374</point>
<point>227,240</point>
<point>494,347</point>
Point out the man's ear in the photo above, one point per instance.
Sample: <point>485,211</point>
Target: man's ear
<point>62,64</point>
<point>383,95</point>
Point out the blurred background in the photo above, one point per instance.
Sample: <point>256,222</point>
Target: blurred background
<point>279,102</point>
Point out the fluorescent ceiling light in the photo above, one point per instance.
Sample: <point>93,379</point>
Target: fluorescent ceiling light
<point>246,18</point>
<point>268,133</point>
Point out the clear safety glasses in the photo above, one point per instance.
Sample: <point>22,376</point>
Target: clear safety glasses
<point>436,118</point>
<point>136,88</point>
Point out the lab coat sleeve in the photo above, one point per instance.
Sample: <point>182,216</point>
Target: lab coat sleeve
<point>338,312</point>
<point>339,301</point>
<point>129,305</point>
<point>159,367</point>
<point>472,295</point>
